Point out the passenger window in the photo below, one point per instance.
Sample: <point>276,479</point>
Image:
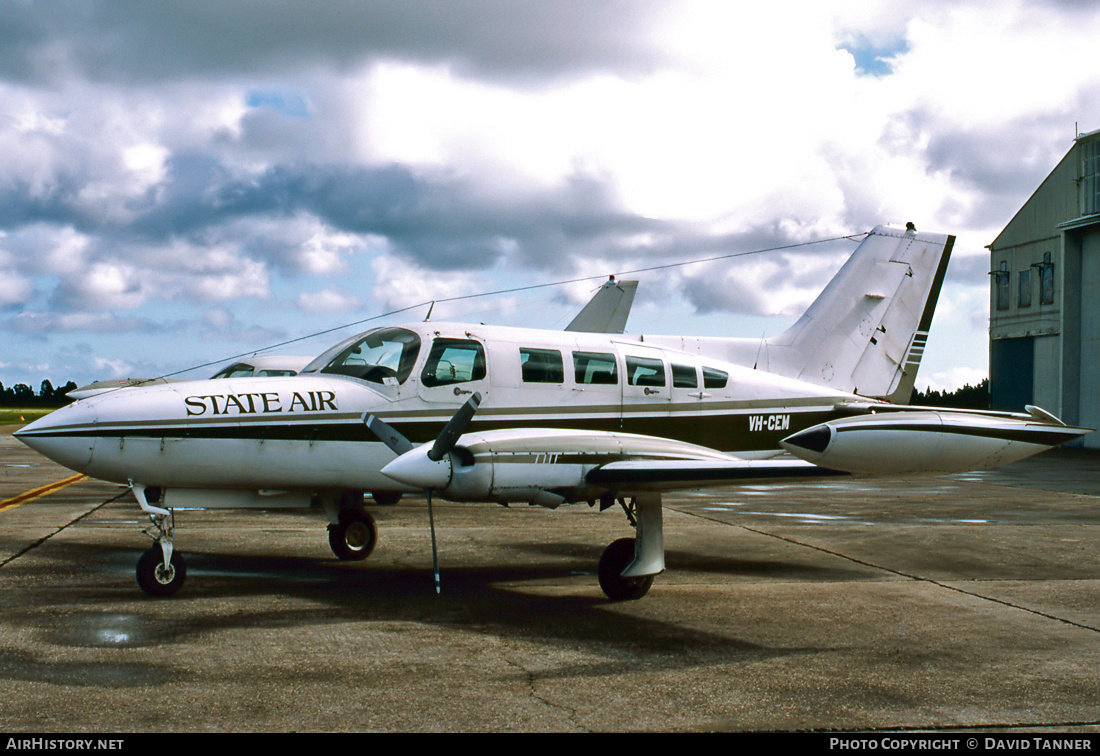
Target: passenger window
<point>541,365</point>
<point>594,368</point>
<point>453,361</point>
<point>714,379</point>
<point>642,371</point>
<point>684,376</point>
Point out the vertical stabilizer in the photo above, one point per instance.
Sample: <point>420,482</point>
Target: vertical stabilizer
<point>866,332</point>
<point>608,310</point>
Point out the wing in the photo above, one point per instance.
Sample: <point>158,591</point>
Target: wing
<point>553,466</point>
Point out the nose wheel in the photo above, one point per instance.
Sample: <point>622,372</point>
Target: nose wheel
<point>158,578</point>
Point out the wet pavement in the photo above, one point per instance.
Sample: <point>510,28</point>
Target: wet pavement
<point>967,602</point>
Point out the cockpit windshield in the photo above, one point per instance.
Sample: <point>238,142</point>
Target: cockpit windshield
<point>384,355</point>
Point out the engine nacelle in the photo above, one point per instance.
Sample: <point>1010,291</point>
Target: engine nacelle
<point>541,466</point>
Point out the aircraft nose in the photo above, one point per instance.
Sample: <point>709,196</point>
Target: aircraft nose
<point>66,435</point>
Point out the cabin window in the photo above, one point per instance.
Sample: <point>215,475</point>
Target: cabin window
<point>714,379</point>
<point>541,365</point>
<point>453,361</point>
<point>684,376</point>
<point>1024,299</point>
<point>385,355</point>
<point>643,371</point>
<point>594,368</point>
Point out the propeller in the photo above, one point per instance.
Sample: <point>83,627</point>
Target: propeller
<point>448,437</point>
<point>411,467</point>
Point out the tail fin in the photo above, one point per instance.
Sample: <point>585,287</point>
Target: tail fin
<point>866,332</point>
<point>608,310</point>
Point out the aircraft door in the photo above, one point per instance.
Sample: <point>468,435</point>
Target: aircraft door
<point>453,371</point>
<point>647,394</point>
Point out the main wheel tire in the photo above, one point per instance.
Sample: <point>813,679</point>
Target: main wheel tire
<point>157,581</point>
<point>616,558</point>
<point>354,537</point>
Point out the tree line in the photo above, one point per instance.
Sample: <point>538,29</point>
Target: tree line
<point>967,397</point>
<point>22,395</point>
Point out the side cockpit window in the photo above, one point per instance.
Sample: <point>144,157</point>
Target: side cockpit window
<point>383,356</point>
<point>453,361</point>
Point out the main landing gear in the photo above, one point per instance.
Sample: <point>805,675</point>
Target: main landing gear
<point>629,565</point>
<point>354,536</point>
<point>352,532</point>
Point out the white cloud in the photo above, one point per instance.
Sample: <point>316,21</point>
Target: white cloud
<point>328,301</point>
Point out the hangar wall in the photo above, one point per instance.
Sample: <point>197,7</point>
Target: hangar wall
<point>1044,326</point>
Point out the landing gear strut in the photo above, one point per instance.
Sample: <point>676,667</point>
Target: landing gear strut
<point>628,565</point>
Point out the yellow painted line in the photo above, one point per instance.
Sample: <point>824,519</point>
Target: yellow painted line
<point>38,493</point>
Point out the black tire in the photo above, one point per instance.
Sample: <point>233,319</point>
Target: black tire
<point>354,537</point>
<point>154,579</point>
<point>616,558</point>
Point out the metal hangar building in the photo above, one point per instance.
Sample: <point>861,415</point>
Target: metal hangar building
<point>1044,327</point>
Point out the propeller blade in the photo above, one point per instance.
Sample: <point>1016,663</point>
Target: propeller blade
<point>448,437</point>
<point>387,434</point>
<point>435,551</point>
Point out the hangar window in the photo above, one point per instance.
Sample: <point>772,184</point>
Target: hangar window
<point>1046,279</point>
<point>684,376</point>
<point>643,371</point>
<point>541,365</point>
<point>714,379</point>
<point>594,368</point>
<point>1024,299</point>
<point>1001,279</point>
<point>1090,178</point>
<point>453,361</point>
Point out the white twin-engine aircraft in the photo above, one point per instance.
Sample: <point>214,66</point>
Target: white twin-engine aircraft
<point>508,415</point>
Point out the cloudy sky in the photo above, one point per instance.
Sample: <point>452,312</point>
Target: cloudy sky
<point>184,182</point>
